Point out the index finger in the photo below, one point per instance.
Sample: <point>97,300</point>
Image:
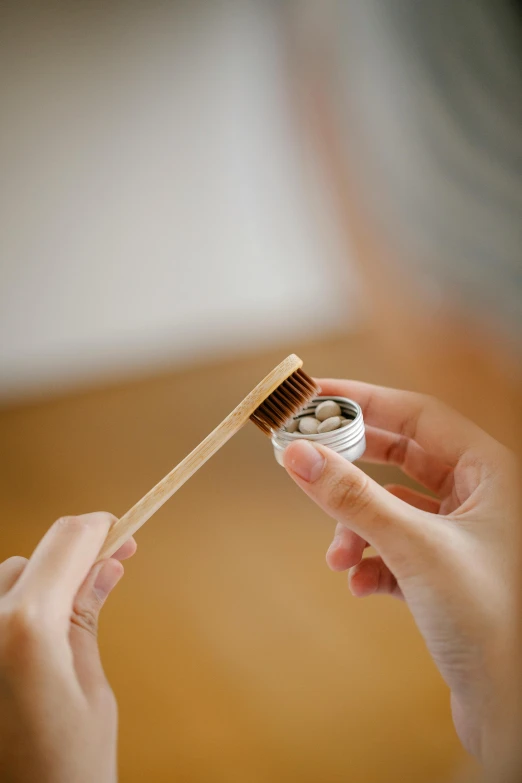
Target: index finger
<point>63,558</point>
<point>440,430</point>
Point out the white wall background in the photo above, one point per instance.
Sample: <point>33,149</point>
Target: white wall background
<point>154,207</point>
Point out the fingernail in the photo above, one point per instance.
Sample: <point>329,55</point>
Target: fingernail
<point>306,461</point>
<point>107,578</point>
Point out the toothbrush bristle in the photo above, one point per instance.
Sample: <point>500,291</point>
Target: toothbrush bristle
<point>285,402</point>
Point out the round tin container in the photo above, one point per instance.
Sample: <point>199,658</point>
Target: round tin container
<point>349,441</point>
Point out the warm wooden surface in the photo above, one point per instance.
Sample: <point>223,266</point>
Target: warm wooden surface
<point>236,656</point>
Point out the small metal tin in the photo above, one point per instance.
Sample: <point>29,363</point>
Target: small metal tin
<point>349,441</point>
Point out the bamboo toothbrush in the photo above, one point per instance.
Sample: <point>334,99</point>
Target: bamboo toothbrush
<point>277,398</point>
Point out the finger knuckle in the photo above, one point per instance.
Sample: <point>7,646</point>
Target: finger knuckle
<point>22,631</point>
<point>86,618</point>
<point>423,400</point>
<point>433,406</point>
<point>349,494</point>
<point>23,620</point>
<point>70,522</point>
<point>104,696</point>
<point>397,450</point>
<point>427,399</point>
<point>420,404</point>
<point>75,524</point>
<point>13,567</point>
<point>16,562</point>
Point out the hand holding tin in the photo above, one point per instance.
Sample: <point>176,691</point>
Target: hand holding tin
<point>448,554</point>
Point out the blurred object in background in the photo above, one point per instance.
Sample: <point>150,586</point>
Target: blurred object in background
<point>155,208</point>
<point>423,105</point>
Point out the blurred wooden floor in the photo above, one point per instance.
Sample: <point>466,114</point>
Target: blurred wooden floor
<point>236,656</point>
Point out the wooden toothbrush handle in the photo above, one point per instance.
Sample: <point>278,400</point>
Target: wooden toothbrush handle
<point>127,525</point>
<point>130,522</point>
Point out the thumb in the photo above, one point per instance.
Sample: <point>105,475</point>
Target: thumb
<point>101,580</point>
<point>395,529</point>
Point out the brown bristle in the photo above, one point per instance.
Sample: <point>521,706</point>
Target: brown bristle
<point>285,402</point>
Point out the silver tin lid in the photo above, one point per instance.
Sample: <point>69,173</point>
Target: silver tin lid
<point>349,441</point>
